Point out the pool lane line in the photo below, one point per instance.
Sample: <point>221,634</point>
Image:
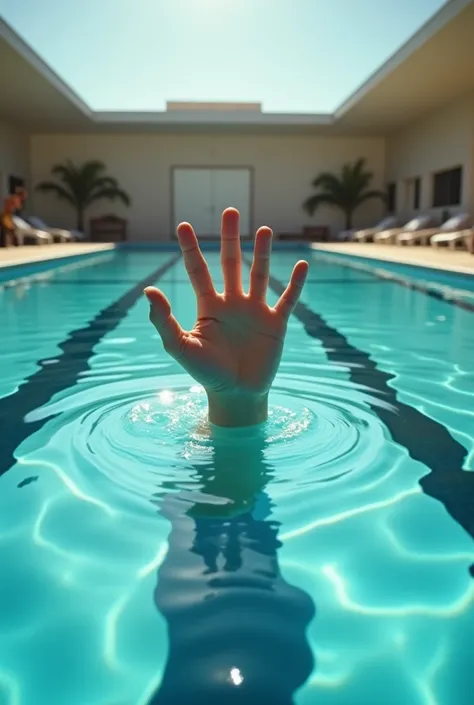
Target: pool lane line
<point>426,440</point>
<point>222,591</point>
<point>42,385</point>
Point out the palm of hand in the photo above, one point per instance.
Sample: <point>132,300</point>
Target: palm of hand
<point>236,344</point>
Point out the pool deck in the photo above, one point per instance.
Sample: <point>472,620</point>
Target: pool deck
<point>12,256</point>
<point>453,261</point>
<point>443,258</point>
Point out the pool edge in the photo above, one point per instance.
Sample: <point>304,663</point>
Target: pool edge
<point>381,268</point>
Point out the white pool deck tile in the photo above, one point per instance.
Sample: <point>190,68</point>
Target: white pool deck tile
<point>442,258</point>
<point>12,256</point>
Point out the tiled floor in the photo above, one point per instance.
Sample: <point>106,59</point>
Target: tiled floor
<point>442,258</point>
<point>36,253</point>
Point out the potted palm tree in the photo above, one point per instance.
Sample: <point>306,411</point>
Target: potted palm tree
<point>82,185</point>
<point>346,191</point>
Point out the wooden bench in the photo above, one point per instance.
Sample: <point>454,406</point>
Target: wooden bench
<point>108,228</point>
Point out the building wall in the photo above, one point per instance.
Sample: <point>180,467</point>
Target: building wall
<point>438,141</point>
<point>14,155</point>
<point>284,167</point>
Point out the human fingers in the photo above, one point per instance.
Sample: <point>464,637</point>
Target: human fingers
<point>194,261</point>
<point>260,269</point>
<point>231,255</point>
<point>290,297</point>
<point>165,323</point>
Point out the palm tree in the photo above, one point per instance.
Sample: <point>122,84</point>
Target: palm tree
<point>82,185</point>
<point>345,192</point>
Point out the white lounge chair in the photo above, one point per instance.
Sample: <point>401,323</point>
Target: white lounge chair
<point>367,235</point>
<point>24,231</point>
<point>460,236</point>
<point>58,234</point>
<point>389,236</point>
<point>423,237</point>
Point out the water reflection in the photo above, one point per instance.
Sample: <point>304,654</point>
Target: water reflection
<point>237,629</point>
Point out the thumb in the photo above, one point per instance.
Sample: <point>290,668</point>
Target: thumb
<point>165,323</point>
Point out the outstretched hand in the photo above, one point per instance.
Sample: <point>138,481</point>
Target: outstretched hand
<point>235,346</point>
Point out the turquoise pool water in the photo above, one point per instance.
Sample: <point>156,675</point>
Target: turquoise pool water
<point>326,559</point>
<point>430,275</point>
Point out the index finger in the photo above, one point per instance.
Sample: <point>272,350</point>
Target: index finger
<point>231,255</point>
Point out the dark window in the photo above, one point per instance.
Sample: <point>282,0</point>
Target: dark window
<point>447,187</point>
<point>392,197</point>
<point>417,193</point>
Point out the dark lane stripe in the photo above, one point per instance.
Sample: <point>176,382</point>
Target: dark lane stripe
<point>425,439</point>
<point>43,384</point>
<point>220,589</point>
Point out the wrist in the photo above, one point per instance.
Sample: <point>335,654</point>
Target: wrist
<point>237,409</point>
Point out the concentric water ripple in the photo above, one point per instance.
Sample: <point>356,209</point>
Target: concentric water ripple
<point>135,438</point>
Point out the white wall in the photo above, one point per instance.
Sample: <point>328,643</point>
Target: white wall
<point>283,169</point>
<point>14,155</point>
<point>441,140</point>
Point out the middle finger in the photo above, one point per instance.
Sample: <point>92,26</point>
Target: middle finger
<point>231,256</point>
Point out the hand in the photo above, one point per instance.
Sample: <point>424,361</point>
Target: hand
<point>235,347</point>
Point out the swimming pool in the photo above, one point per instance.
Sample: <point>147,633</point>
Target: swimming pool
<point>329,561</point>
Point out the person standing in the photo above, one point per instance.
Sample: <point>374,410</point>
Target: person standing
<point>11,206</point>
<point>22,195</point>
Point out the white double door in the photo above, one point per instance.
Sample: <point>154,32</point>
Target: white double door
<point>201,194</point>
